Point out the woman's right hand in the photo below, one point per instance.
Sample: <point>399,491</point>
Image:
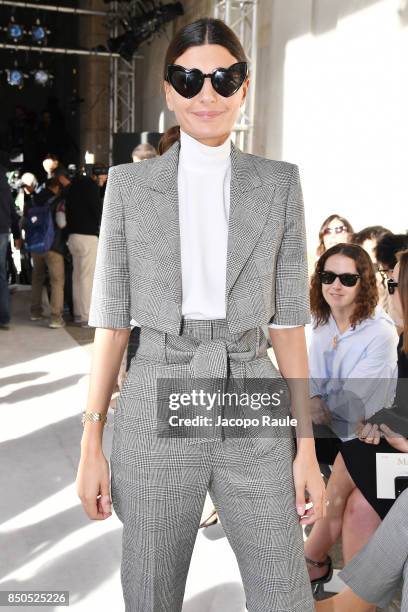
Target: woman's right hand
<point>320,413</point>
<point>92,484</point>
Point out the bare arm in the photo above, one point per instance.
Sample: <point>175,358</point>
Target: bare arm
<point>110,314</point>
<point>93,470</point>
<point>109,346</point>
<point>289,346</point>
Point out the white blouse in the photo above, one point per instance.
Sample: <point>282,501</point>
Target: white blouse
<point>204,176</point>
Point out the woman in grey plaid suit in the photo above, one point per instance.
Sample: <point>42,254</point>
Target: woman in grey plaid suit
<point>152,244</point>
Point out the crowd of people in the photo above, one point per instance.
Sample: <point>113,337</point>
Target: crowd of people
<point>358,359</point>
<point>55,227</point>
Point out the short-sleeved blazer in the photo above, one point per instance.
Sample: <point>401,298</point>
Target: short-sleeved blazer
<point>138,266</point>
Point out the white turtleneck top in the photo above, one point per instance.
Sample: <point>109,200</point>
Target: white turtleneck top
<point>204,176</point>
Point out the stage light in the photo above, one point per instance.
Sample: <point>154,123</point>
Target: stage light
<point>39,33</point>
<point>15,31</point>
<point>15,77</point>
<point>42,77</point>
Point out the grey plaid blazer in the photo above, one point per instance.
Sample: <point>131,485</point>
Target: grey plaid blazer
<point>138,265</point>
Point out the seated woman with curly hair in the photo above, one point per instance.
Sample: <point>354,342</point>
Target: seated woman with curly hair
<point>375,571</point>
<point>353,372</point>
<point>352,348</point>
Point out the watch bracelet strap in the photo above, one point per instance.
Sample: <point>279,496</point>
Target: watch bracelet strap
<point>93,417</point>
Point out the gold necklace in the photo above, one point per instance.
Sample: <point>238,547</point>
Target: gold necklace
<point>334,342</point>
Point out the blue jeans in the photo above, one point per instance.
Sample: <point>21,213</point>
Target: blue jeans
<point>4,290</point>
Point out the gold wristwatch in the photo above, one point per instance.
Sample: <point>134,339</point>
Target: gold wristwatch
<point>94,417</point>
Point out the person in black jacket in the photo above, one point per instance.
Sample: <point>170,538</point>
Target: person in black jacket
<point>84,211</point>
<point>9,219</point>
<point>52,259</point>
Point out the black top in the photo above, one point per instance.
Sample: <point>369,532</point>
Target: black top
<point>42,197</point>
<point>402,360</point>
<point>83,206</point>
<point>9,218</point>
<point>401,395</point>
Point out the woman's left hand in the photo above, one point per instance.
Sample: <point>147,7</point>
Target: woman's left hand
<point>307,476</point>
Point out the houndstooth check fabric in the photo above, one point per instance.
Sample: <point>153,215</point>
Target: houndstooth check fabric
<point>159,485</point>
<point>138,266</point>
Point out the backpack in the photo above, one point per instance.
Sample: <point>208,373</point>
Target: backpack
<point>39,232</point>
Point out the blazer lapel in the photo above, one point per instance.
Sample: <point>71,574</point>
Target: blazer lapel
<point>163,218</point>
<point>249,205</point>
<point>250,201</point>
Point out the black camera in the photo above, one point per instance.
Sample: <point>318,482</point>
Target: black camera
<point>96,169</point>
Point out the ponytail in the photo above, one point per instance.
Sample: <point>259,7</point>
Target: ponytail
<point>169,137</point>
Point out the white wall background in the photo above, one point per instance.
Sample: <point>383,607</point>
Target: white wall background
<point>339,92</point>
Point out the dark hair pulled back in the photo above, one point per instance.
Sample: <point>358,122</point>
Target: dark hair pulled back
<point>200,32</point>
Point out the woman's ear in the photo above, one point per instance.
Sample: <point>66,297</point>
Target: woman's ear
<point>245,90</point>
<point>167,93</point>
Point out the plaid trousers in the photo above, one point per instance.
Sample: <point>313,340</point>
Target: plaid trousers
<point>159,484</point>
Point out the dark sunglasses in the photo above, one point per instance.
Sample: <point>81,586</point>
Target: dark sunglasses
<point>189,81</point>
<point>334,230</point>
<point>391,285</point>
<point>348,280</point>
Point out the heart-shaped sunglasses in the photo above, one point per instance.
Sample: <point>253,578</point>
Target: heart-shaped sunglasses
<point>188,82</point>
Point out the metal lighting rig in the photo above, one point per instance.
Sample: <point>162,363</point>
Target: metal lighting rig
<point>241,17</point>
<point>122,89</point>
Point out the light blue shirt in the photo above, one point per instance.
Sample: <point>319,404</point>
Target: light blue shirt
<point>354,372</point>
